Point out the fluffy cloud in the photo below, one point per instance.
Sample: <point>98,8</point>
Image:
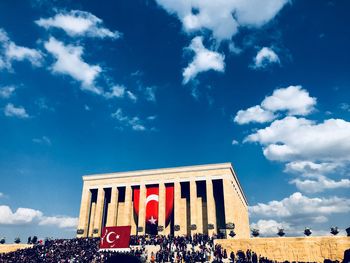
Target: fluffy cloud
<point>134,122</point>
<point>264,57</point>
<point>320,184</point>
<point>292,139</point>
<point>254,114</point>
<point>120,91</point>
<point>78,23</point>
<point>203,60</point>
<point>293,99</point>
<point>298,209</point>
<point>310,150</point>
<point>13,111</point>
<point>21,216</point>
<point>7,91</point>
<point>69,62</point>
<point>311,169</point>
<point>59,221</point>
<point>117,91</point>
<point>222,17</point>
<point>12,52</point>
<point>28,216</point>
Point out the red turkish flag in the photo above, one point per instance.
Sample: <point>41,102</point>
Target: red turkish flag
<point>153,206</point>
<point>115,237</point>
<point>152,197</point>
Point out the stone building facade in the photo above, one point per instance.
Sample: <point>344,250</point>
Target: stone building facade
<point>180,201</point>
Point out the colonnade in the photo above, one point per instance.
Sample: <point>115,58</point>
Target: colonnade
<point>200,206</point>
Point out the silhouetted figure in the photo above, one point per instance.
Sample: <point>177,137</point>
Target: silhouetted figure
<point>346,256</point>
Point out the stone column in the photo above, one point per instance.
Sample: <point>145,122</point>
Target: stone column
<point>211,208</point>
<point>177,209</point>
<point>99,211</point>
<point>161,207</point>
<point>142,209</point>
<point>84,211</point>
<point>92,219</point>
<point>128,205</point>
<point>229,202</point>
<point>113,208</point>
<point>193,205</point>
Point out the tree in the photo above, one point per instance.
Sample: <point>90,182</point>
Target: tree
<point>17,240</point>
<point>34,240</point>
<point>2,240</point>
<point>255,232</point>
<point>281,232</point>
<point>307,231</point>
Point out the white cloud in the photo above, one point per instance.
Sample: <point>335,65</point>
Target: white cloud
<point>293,99</point>
<point>293,139</point>
<point>254,114</point>
<point>120,91</point>
<point>234,142</point>
<point>222,17</point>
<point>298,208</point>
<point>69,62</point>
<point>131,96</point>
<point>78,23</point>
<point>28,216</point>
<point>134,122</point>
<point>59,221</point>
<point>1,195</point>
<point>12,52</point>
<point>264,57</point>
<point>117,91</point>
<point>203,60</point>
<point>320,184</point>
<point>13,111</point>
<point>21,216</point>
<point>7,91</point>
<point>43,140</point>
<point>311,169</point>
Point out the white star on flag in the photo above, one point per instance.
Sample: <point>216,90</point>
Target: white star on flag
<point>152,220</point>
<point>117,237</point>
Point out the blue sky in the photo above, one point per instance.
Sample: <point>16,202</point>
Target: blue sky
<point>91,88</point>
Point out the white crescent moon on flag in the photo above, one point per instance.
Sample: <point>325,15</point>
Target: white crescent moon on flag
<point>151,198</point>
<point>107,237</point>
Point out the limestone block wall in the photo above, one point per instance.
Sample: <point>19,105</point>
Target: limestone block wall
<point>7,248</point>
<point>306,249</point>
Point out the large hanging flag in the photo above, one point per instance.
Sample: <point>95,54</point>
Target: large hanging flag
<point>152,198</point>
<point>152,206</point>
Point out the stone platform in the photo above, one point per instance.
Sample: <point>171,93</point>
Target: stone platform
<point>6,248</point>
<point>305,249</point>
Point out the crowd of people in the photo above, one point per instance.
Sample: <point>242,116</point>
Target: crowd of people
<point>197,248</point>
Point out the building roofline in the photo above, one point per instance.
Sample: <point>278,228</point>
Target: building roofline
<point>168,170</point>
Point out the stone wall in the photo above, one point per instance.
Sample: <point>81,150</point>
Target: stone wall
<point>6,248</point>
<point>306,249</point>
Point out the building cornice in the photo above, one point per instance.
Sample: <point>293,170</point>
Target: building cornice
<point>172,170</point>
